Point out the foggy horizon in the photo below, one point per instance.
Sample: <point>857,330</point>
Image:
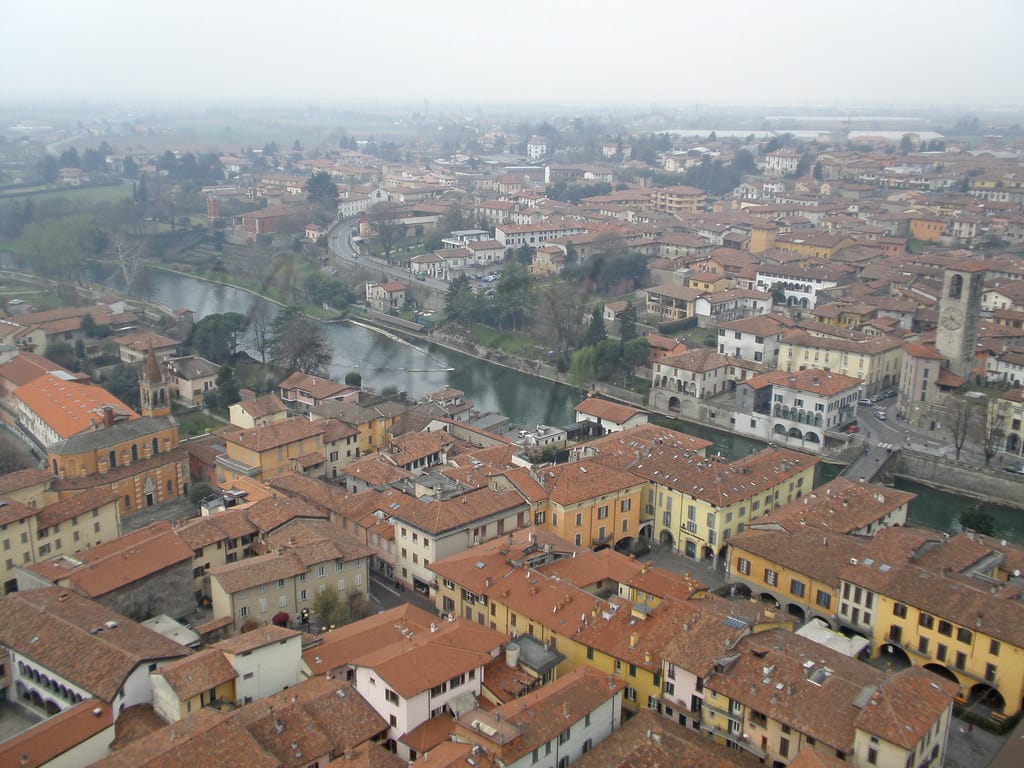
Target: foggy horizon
<point>598,55</point>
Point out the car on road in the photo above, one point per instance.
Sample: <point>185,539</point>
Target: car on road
<point>1015,470</point>
<point>889,393</point>
<point>878,398</point>
<point>864,401</point>
<point>881,415</point>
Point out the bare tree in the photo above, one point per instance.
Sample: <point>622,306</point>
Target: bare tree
<point>560,315</point>
<point>384,217</point>
<point>260,323</point>
<point>995,428</point>
<point>961,414</point>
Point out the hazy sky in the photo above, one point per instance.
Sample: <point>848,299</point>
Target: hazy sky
<point>672,52</point>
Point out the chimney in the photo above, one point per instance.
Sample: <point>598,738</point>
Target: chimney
<point>108,416</point>
<point>634,638</point>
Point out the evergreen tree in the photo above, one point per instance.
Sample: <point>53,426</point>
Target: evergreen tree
<point>627,322</point>
<point>596,332</point>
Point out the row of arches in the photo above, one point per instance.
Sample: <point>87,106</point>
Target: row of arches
<point>796,433</point>
<point>799,415</point>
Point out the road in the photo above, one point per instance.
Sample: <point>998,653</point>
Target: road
<point>340,240</point>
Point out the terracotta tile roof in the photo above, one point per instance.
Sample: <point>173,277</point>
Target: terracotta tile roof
<point>700,360</point>
<point>198,673</point>
<point>253,571</point>
<point>12,511</point>
<point>56,735</point>
<point>583,480</point>
<point>906,706</point>
<point>343,645</point>
<point>274,435</point>
<point>473,567</point>
<point>623,449</point>
<point>923,350</point>
<point>69,407</point>
<point>26,366</point>
<point>708,629</point>
<point>810,380</point>
<point>963,600</point>
<point>587,568</point>
<point>505,683</point>
<point>23,478</point>
<point>369,754</point>
<point>74,505</point>
<point>203,531</point>
<point>606,409</point>
<point>872,345</point>
<point>415,446</point>
<point>419,661</point>
<point>441,516</point>
<point>808,757</point>
<point>141,341</point>
<point>318,387</point>
<point>561,607</point>
<point>318,541</point>
<point>839,505</point>
<point>56,629</point>
<point>270,514</point>
<point>428,734</point>
<point>376,470</point>
<point>449,754</point>
<point>206,738</point>
<point>649,740</point>
<point>257,638</point>
<point>819,555</point>
<point>543,713</point>
<point>114,564</point>
<point>261,407</point>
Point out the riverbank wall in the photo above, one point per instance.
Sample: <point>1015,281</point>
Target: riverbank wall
<point>961,478</point>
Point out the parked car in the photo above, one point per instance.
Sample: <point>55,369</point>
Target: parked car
<point>864,401</point>
<point>878,398</point>
<point>890,393</point>
<point>881,415</point>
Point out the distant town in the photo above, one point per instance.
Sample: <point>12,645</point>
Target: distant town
<point>227,538</point>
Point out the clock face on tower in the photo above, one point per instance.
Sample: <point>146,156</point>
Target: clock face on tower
<point>951,318</point>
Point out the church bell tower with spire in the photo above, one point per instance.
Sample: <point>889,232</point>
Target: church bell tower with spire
<point>153,395</point>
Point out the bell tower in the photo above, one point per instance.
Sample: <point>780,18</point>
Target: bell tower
<point>153,395</point>
<point>959,312</point>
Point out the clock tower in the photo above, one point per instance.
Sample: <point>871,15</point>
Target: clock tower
<point>959,311</point>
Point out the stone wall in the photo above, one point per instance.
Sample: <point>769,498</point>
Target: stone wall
<point>957,477</point>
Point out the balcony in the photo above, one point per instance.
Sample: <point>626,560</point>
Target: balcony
<point>737,739</point>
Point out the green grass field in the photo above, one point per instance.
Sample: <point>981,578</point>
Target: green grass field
<point>83,196</point>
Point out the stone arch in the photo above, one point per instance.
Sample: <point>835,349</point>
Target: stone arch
<point>812,437</point>
<point>942,671</point>
<point>780,429</point>
<point>797,612</point>
<point>673,403</point>
<point>896,656</point>
<point>987,696</point>
<point>769,598</point>
<point>796,433</point>
<point>665,537</point>
<point>51,707</point>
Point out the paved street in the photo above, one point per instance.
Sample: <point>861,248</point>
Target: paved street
<point>972,748</point>
<point>663,557</point>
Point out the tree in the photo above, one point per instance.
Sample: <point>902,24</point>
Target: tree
<point>627,322</point>
<point>743,162</point>
<point>47,168</point>
<point>818,173</point>
<point>63,354</point>
<point>595,332</point>
<point>298,343</point>
<point>11,453</point>
<point>260,323</point>
<point>227,387</point>
<point>322,191</point>
<point>329,609</point>
<point>198,492</point>
<point>907,144</point>
<point>460,304</point>
<point>354,379</point>
<point>216,336</point>
<point>977,520</point>
<point>385,219</point>
<point>69,158</point>
<point>995,432</point>
<point>123,383</point>
<point>961,415</point>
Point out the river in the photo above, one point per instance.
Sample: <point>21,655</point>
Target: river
<point>384,361</point>
<point>526,400</point>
